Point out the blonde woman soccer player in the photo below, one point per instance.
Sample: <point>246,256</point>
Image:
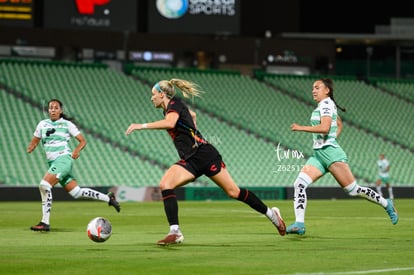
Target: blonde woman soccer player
<point>328,156</point>
<point>198,157</point>
<point>55,134</point>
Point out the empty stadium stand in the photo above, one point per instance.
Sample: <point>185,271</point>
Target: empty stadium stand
<point>247,119</point>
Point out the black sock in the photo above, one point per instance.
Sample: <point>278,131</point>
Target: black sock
<point>170,206</point>
<point>252,200</point>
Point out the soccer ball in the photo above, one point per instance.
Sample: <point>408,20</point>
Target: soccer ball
<point>99,229</point>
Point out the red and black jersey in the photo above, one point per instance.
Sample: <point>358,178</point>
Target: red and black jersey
<point>185,135</point>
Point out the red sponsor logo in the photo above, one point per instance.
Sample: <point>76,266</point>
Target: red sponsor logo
<point>88,6</point>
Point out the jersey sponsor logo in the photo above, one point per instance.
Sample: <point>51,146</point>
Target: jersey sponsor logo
<point>326,111</point>
<point>50,131</point>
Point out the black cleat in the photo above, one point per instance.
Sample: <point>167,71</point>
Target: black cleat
<point>113,202</point>
<point>41,226</point>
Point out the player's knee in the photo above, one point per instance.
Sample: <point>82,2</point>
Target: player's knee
<point>44,186</point>
<point>165,185</point>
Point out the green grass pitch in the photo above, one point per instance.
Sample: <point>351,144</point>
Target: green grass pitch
<point>349,236</point>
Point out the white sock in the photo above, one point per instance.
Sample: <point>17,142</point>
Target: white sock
<point>300,198</point>
<point>390,193</point>
<point>379,191</point>
<point>354,190</point>
<point>78,192</point>
<point>269,213</point>
<point>271,216</point>
<point>174,227</point>
<point>46,194</point>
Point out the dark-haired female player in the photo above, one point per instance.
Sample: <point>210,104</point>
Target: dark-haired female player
<point>55,133</point>
<point>328,156</point>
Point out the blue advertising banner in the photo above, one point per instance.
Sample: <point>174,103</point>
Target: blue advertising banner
<point>194,16</point>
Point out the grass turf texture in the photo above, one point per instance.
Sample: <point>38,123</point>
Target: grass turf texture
<point>221,237</point>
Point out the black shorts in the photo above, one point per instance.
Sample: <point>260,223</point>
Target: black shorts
<point>206,161</point>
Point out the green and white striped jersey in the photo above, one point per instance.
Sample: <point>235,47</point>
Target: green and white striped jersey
<point>383,167</point>
<point>325,108</point>
<point>55,136</point>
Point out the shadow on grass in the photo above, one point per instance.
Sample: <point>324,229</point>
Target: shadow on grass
<point>52,230</point>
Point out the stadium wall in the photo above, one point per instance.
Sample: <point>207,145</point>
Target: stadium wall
<point>190,193</point>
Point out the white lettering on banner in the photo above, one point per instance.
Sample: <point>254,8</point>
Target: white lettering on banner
<point>212,7</point>
<point>90,22</point>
